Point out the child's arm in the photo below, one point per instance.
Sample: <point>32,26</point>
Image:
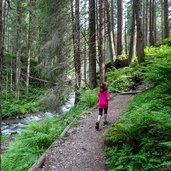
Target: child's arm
<point>108,96</point>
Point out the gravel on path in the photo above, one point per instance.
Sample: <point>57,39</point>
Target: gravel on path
<point>83,147</point>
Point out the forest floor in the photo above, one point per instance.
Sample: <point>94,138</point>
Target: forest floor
<point>83,147</point>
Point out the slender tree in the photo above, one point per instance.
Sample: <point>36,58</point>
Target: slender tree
<point>29,46</point>
<point>131,45</point>
<point>146,16</point>
<point>76,47</point>
<point>110,32</point>
<point>119,27</point>
<point>161,17</point>
<point>92,44</point>
<point>101,40</point>
<point>166,19</point>
<point>140,44</point>
<point>18,51</point>
<point>151,22</point>
<point>1,56</point>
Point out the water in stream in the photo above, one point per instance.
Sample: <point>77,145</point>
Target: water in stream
<point>16,124</point>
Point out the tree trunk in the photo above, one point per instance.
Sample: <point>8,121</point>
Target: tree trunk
<point>76,47</point>
<point>138,16</point>
<point>29,48</point>
<point>131,47</point>
<point>125,32</point>
<point>154,21</point>
<point>92,44</point>
<point>146,23</point>
<point>110,32</point>
<point>155,24</point>
<point>18,52</point>
<point>1,56</point>
<point>162,17</point>
<point>112,11</point>
<point>166,20</point>
<point>151,23</point>
<point>4,23</point>
<point>119,27</point>
<point>85,62</point>
<point>101,41</point>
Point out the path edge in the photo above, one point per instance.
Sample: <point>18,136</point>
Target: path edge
<point>40,162</point>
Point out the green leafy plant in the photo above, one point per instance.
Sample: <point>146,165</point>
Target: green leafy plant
<point>89,97</point>
<point>24,105</point>
<point>140,140</point>
<point>35,139</point>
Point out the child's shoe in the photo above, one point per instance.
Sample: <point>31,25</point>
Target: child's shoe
<point>106,123</point>
<point>97,126</point>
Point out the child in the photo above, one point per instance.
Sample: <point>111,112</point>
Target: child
<point>103,98</point>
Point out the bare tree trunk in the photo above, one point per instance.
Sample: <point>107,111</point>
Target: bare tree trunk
<point>76,47</point>
<point>18,52</point>
<point>146,23</point>
<point>166,20</point>
<point>125,32</point>
<point>151,23</point>
<point>155,24</point>
<point>85,62</point>
<point>92,44</point>
<point>119,27</point>
<point>11,76</point>
<point>101,41</point>
<point>1,56</point>
<point>4,22</point>
<point>162,17</point>
<point>29,48</point>
<point>112,7</point>
<point>140,45</point>
<point>131,47</point>
<point>110,32</point>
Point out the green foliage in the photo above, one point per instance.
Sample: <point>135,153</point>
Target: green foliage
<point>167,41</point>
<point>4,137</point>
<point>121,79</point>
<point>140,140</point>
<point>24,105</point>
<point>89,97</point>
<point>159,69</point>
<point>35,139</point>
<point>31,143</point>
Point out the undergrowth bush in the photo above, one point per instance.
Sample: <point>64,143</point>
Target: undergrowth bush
<point>167,41</point>
<point>121,79</point>
<point>89,97</point>
<point>159,70</point>
<point>141,139</point>
<point>36,138</point>
<point>136,141</point>
<point>31,143</point>
<point>25,105</point>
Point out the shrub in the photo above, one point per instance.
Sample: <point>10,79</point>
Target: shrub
<point>136,140</point>
<point>89,97</point>
<point>140,140</point>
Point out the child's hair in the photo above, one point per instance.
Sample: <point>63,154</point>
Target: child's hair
<point>103,87</point>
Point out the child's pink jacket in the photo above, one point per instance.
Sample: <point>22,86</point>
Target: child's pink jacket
<point>103,98</point>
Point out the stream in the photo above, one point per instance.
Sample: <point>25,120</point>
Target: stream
<point>15,124</point>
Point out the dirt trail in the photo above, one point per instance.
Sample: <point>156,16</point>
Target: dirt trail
<point>83,148</point>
